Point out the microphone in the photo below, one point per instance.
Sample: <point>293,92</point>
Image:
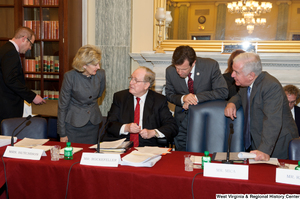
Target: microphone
<point>12,135</point>
<point>99,137</point>
<point>227,161</point>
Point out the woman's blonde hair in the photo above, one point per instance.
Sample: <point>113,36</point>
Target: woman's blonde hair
<point>86,55</point>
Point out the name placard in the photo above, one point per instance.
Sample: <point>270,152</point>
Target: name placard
<point>232,171</point>
<point>23,153</point>
<point>98,159</point>
<point>288,176</point>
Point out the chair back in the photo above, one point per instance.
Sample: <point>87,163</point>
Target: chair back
<point>208,128</point>
<point>294,149</point>
<point>37,128</point>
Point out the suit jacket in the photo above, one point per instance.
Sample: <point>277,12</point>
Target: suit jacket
<point>13,90</point>
<point>297,117</point>
<point>209,84</point>
<point>78,100</point>
<point>156,116</point>
<point>271,122</point>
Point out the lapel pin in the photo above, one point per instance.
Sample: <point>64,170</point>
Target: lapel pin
<point>198,73</point>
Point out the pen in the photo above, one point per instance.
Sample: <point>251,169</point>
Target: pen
<point>45,98</point>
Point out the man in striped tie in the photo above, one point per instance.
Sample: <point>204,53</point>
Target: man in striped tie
<point>269,125</point>
<point>140,114</point>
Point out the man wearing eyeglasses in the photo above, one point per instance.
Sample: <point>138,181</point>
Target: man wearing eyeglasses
<point>140,114</point>
<point>293,94</point>
<point>13,90</point>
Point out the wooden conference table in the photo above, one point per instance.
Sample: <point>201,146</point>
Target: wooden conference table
<point>166,179</point>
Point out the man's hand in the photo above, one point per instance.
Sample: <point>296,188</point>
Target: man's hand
<point>260,155</point>
<point>38,100</point>
<point>64,139</point>
<point>185,106</point>
<point>230,111</point>
<point>132,128</point>
<point>147,134</point>
<point>190,99</point>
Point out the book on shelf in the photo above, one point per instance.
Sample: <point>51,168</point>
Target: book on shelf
<point>31,2</point>
<point>51,29</point>
<point>34,26</point>
<point>50,2</point>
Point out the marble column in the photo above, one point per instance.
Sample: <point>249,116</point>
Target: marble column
<point>113,36</point>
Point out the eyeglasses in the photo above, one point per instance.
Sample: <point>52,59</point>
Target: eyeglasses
<point>31,44</point>
<point>134,80</point>
<point>292,102</point>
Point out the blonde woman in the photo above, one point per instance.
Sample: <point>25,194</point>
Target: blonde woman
<point>79,115</point>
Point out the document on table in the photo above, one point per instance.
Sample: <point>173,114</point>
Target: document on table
<point>138,159</point>
<point>5,140</point>
<point>153,150</point>
<point>75,150</point>
<point>223,155</point>
<point>273,161</point>
<point>29,142</point>
<point>109,145</point>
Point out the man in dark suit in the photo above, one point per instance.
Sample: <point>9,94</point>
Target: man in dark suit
<point>13,90</point>
<point>271,125</point>
<point>153,119</point>
<point>293,94</point>
<point>205,80</point>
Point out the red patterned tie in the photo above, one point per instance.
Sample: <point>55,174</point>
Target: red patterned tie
<point>191,84</point>
<point>134,137</point>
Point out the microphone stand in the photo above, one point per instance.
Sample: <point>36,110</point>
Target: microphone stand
<point>12,135</point>
<point>99,137</point>
<point>227,161</point>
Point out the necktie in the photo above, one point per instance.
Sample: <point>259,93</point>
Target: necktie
<point>247,136</point>
<point>134,137</point>
<point>191,84</point>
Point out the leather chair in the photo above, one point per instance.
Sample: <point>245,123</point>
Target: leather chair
<point>208,128</point>
<point>294,149</point>
<point>36,127</point>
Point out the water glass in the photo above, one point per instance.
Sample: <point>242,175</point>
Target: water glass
<point>55,152</point>
<point>188,164</point>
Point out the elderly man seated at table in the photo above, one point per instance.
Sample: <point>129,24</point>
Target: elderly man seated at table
<point>140,114</point>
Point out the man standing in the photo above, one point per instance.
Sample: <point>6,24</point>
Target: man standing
<point>293,94</point>
<point>269,125</point>
<point>140,114</point>
<point>191,80</point>
<point>13,90</point>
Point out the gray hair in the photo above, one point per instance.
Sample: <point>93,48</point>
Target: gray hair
<point>251,63</point>
<point>149,76</point>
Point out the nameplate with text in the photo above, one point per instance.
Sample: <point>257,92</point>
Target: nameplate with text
<point>98,159</point>
<point>232,171</point>
<point>288,176</point>
<point>23,153</point>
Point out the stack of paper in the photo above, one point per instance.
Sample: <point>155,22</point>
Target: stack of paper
<point>30,143</point>
<point>153,150</point>
<point>118,146</point>
<point>75,150</point>
<point>5,140</point>
<point>138,159</point>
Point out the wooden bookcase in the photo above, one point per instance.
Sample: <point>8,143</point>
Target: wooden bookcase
<point>58,28</point>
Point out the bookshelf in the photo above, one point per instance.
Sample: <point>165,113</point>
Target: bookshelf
<point>57,25</point>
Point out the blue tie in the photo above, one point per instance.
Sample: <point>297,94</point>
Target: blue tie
<point>247,136</point>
